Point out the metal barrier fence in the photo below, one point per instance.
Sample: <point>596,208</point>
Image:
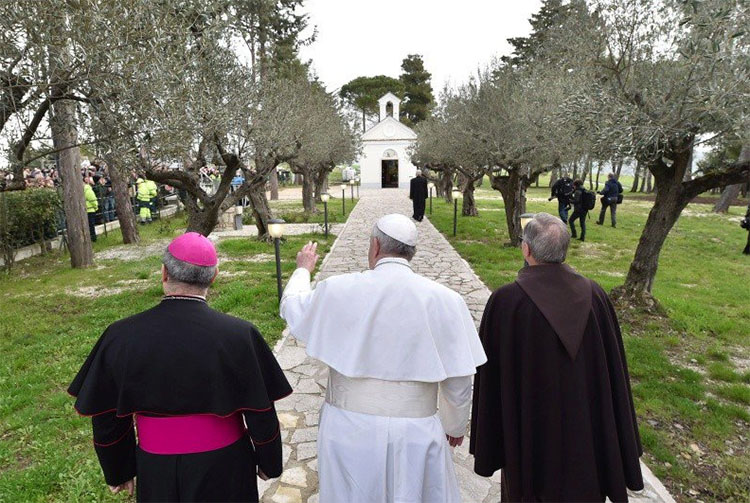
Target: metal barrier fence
<point>42,240</point>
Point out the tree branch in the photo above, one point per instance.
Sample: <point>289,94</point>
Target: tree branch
<point>738,172</point>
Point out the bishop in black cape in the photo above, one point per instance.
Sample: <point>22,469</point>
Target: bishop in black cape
<point>183,359</point>
<point>552,406</point>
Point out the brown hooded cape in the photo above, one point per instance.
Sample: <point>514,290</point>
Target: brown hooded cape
<point>552,405</point>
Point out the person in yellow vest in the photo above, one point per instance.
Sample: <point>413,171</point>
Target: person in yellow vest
<point>92,206</point>
<point>153,192</point>
<point>143,194</point>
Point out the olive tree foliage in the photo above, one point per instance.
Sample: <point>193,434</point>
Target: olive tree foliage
<point>162,85</point>
<point>327,140</point>
<point>447,143</point>
<point>43,72</point>
<point>429,152</point>
<point>499,124</point>
<point>188,98</point>
<point>672,74</point>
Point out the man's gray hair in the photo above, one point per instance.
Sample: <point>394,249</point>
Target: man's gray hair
<point>195,275</point>
<point>548,239</point>
<point>390,246</point>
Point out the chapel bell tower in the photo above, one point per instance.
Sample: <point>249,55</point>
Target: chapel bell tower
<point>389,106</point>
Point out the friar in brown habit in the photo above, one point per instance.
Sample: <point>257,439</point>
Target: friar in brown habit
<point>552,405</point>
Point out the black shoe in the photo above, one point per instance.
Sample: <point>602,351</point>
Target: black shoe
<point>614,226</point>
<point>573,236</point>
<point>581,240</point>
<point>598,223</point>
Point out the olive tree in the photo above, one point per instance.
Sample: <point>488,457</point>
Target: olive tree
<point>672,75</point>
<point>326,140</point>
<point>191,99</point>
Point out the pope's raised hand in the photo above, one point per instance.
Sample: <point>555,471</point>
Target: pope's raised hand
<point>307,257</point>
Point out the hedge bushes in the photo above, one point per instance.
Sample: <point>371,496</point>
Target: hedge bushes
<point>26,217</point>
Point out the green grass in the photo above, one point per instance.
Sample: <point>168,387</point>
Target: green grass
<point>293,213</point>
<point>723,372</point>
<point>688,370</point>
<point>51,316</point>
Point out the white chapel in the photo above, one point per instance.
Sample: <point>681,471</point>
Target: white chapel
<point>385,161</point>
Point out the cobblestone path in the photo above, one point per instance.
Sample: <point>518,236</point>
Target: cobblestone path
<point>298,413</point>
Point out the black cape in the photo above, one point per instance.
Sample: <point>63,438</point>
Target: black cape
<point>418,188</point>
<point>552,406</point>
<point>177,359</point>
<point>418,195</point>
<point>182,357</point>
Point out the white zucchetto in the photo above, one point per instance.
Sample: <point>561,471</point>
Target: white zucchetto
<point>399,227</point>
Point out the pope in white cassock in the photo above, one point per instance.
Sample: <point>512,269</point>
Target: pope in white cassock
<point>401,351</point>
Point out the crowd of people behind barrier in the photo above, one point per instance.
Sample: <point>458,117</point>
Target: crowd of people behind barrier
<point>146,196</point>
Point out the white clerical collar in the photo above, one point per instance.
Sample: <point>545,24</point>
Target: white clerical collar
<point>393,260</point>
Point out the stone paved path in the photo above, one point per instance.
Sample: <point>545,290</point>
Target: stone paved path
<point>435,259</point>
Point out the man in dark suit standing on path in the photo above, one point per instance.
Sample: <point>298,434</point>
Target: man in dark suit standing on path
<point>418,195</point>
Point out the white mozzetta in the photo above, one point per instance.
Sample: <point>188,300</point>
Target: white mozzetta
<point>387,323</point>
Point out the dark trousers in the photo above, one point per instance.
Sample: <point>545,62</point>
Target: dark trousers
<point>578,214</point>
<point>92,225</point>
<point>153,206</point>
<point>419,205</point>
<point>227,474</point>
<point>612,213</point>
<point>109,208</point>
<point>562,209</point>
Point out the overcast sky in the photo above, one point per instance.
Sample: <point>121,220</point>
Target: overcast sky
<point>371,37</point>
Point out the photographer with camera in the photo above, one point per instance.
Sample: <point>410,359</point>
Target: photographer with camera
<point>583,201</point>
<point>611,197</point>
<point>562,190</point>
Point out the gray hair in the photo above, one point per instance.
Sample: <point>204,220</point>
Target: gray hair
<point>195,275</point>
<point>548,239</point>
<point>390,246</point>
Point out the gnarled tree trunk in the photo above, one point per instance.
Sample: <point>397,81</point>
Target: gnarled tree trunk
<point>321,184</point>
<point>123,206</point>
<point>728,195</point>
<point>273,182</point>
<point>65,140</point>
<point>469,206</point>
<point>261,210</point>
<point>511,189</point>
<point>731,192</point>
<point>636,178</point>
<point>663,215</point>
<point>204,220</point>
<point>673,193</point>
<point>308,191</point>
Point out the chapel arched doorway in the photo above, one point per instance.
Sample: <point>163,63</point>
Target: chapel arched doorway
<point>389,170</point>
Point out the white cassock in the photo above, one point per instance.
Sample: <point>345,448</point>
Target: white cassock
<point>393,341</point>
